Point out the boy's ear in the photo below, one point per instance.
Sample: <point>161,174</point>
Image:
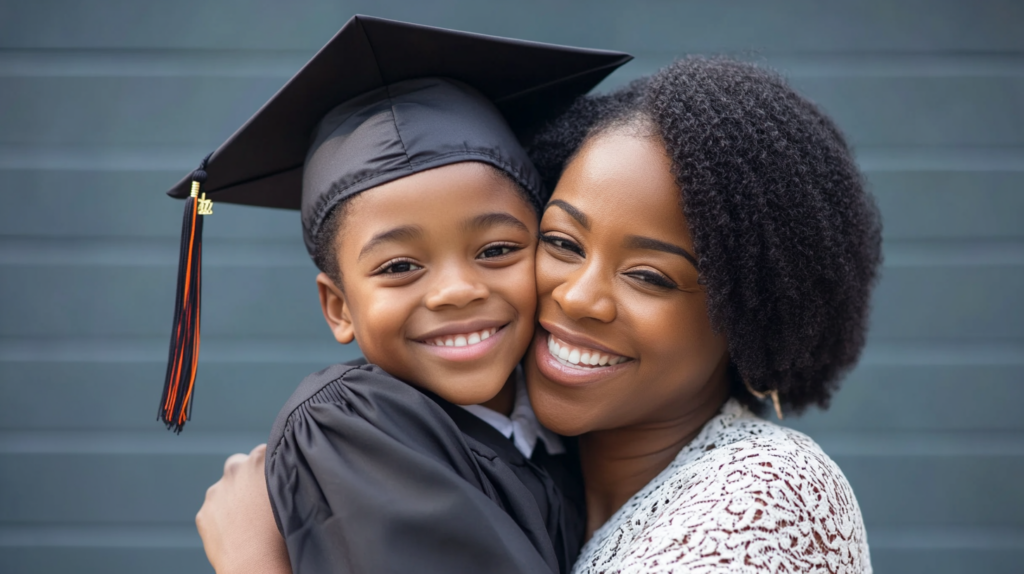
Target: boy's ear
<point>336,311</point>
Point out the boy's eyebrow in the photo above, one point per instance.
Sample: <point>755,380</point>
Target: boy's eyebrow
<point>571,210</point>
<point>641,242</point>
<point>403,233</point>
<point>493,219</point>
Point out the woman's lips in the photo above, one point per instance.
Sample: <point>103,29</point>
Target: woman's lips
<point>464,346</point>
<point>571,370</point>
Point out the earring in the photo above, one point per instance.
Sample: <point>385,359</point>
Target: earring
<point>774,393</point>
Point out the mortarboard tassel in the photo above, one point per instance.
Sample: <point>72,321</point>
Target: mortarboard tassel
<point>176,403</point>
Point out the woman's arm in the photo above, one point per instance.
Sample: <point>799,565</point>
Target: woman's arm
<point>236,523</point>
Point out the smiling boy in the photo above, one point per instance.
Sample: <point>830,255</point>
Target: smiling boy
<point>419,207</point>
<point>433,275</point>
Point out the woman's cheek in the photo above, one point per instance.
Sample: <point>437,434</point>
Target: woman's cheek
<point>548,275</point>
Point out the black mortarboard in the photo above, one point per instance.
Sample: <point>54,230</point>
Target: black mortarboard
<point>382,100</point>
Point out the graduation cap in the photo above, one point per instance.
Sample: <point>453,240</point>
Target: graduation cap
<point>382,100</point>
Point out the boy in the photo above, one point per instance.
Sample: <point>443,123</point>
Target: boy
<point>419,207</point>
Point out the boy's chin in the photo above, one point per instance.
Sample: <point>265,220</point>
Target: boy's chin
<point>468,387</point>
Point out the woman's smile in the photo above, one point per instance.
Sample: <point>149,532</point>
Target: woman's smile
<point>572,365</point>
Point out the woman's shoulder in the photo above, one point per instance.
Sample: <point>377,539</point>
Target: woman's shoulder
<point>748,493</point>
<point>740,440</point>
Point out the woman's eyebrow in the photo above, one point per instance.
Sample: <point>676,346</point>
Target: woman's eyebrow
<point>572,211</point>
<point>640,242</point>
<point>494,219</point>
<point>403,233</point>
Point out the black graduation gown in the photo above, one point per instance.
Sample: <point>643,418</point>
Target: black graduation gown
<point>367,474</point>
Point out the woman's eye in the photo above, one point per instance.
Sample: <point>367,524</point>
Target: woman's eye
<point>562,244</point>
<point>652,278</point>
<point>493,251</point>
<point>398,268</point>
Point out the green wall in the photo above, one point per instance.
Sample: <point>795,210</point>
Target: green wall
<point>104,104</point>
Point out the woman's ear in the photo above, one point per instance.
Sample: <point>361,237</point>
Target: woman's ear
<point>336,311</point>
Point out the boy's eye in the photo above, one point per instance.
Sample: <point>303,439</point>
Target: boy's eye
<point>498,250</point>
<point>562,244</point>
<point>397,268</point>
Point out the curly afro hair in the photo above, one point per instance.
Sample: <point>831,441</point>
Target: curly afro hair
<point>788,240</point>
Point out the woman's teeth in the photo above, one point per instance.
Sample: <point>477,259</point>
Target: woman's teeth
<point>581,356</point>
<point>462,340</point>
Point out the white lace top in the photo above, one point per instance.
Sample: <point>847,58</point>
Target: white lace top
<point>746,495</point>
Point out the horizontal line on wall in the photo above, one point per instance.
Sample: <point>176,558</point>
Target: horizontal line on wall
<point>870,65</point>
<point>942,353</point>
<point>151,63</point>
<point>154,63</point>
<point>941,159</point>
<point>224,443</point>
<point>291,253</point>
<point>99,536</point>
<point>953,252</point>
<point>130,442</point>
<point>287,350</point>
<point>181,158</point>
<point>154,349</point>
<point>931,444</point>
<point>945,538</point>
<point>185,536</point>
<point>131,158</point>
<point>153,252</point>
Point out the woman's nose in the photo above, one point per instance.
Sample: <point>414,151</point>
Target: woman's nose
<point>586,295</point>
<point>455,286</point>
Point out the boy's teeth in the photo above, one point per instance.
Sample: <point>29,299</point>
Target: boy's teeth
<point>464,339</point>
<point>581,356</point>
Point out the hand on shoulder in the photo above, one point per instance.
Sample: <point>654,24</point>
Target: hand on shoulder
<point>236,524</point>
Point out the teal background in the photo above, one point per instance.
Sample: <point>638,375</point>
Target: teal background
<point>104,104</point>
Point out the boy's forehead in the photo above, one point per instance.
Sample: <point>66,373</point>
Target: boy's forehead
<point>449,193</point>
<point>458,200</point>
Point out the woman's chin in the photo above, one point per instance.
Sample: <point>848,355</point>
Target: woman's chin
<point>555,406</point>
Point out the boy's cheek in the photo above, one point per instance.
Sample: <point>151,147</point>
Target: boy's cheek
<point>519,286</point>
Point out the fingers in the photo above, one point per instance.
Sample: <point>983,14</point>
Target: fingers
<point>256,456</point>
<point>233,462</point>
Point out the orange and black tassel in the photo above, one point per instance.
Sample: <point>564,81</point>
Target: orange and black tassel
<point>176,403</point>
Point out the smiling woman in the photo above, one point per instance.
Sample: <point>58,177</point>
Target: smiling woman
<point>710,243</point>
<point>605,288</point>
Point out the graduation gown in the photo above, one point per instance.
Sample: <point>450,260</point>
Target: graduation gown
<point>368,474</point>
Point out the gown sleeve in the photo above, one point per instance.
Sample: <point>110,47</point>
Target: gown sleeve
<point>366,474</point>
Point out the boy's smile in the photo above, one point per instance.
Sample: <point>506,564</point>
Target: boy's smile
<point>437,279</point>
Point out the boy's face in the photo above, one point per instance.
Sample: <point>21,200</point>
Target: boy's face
<point>438,280</point>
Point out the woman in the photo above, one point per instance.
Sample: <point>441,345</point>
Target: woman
<point>711,244</point>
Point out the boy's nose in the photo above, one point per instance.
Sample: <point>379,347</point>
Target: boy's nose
<point>456,287</point>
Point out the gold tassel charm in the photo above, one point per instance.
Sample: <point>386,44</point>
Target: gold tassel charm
<point>183,357</point>
<point>774,394</point>
<point>205,206</point>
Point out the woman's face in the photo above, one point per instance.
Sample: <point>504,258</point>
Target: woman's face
<point>624,336</point>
